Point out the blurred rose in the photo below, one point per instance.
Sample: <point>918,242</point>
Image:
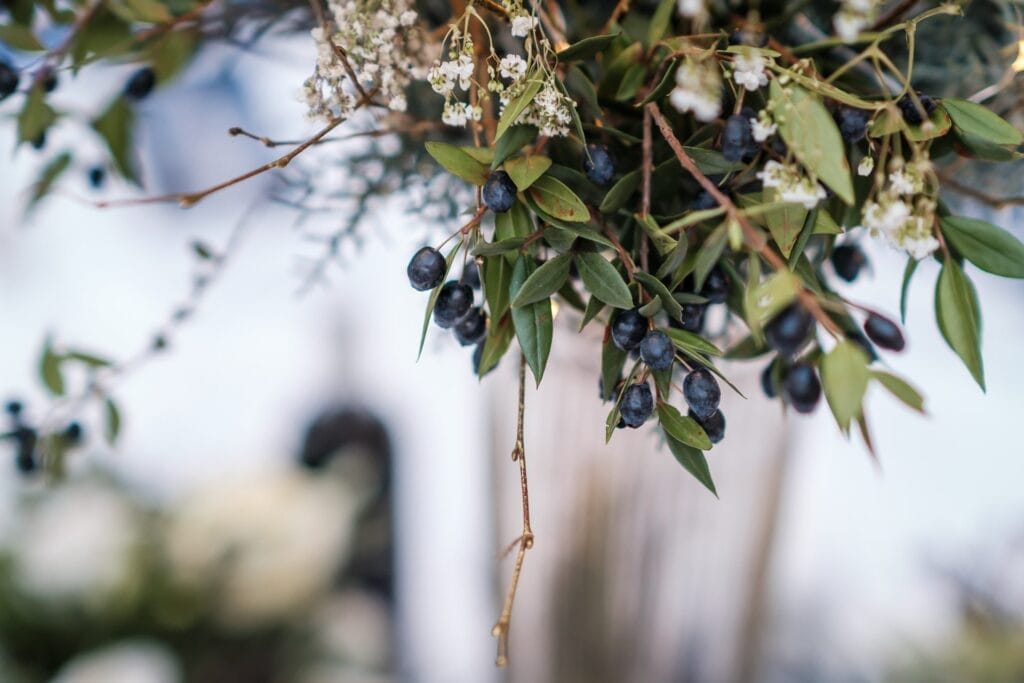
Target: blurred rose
<point>135,661</point>
<point>269,543</point>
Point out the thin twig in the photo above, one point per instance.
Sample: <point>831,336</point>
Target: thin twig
<point>752,236</point>
<point>525,541</point>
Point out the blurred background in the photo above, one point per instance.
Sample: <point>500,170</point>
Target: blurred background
<point>294,498</point>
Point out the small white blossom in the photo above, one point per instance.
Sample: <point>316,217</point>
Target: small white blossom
<point>512,67</point>
<point>458,114</point>
<point>902,225</point>
<point>698,89</point>
<point>749,71</point>
<point>866,166</point>
<point>763,127</point>
<point>853,17</point>
<point>790,185</point>
<point>691,8</point>
<point>522,25</point>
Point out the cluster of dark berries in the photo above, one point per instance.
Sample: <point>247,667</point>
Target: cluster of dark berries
<point>26,438</point>
<point>454,307</point>
<point>599,165</point>
<point>853,123</point>
<point>911,113</point>
<point>738,142</point>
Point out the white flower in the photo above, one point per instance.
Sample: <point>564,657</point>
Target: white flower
<point>853,17</point>
<point>698,89</point>
<point>901,183</point>
<point>512,67</point>
<point>866,166</point>
<point>522,25</point>
<point>749,71</point>
<point>790,185</point>
<point>763,127</point>
<point>901,225</point>
<point>130,661</point>
<point>691,8</point>
<point>458,114</point>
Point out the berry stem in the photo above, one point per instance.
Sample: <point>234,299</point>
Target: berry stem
<point>752,236</point>
<point>525,541</point>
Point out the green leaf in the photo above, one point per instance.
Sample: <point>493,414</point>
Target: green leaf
<point>657,288</point>
<point>49,369</point>
<point>146,11</point>
<point>900,389</point>
<point>810,133</point>
<point>976,120</point>
<point>662,241</point>
<point>89,359</point>
<point>517,106</point>
<point>890,121</point>
<point>514,140</point>
<point>711,162</point>
<point>990,248</point>
<point>544,281</point>
<point>845,374</point>
<point>499,338</point>
<point>111,421</point>
<point>20,37</point>
<point>693,460</point>
<point>661,21</point>
<point>908,274</point>
<point>683,428</point>
<point>496,274</point>
<point>434,294</point>
<point>692,344</point>
<point>709,254</point>
<point>556,199</point>
<point>784,223</point>
<point>533,323</point>
<point>51,172</point>
<point>956,309</point>
<point>620,192</point>
<point>603,280</point>
<point>36,116</point>
<point>457,162</point>
<point>613,360</point>
<point>665,85</point>
<point>586,48</point>
<point>525,170</point>
<point>116,127</point>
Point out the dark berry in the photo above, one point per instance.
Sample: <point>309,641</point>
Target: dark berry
<point>598,164</point>
<point>97,174</point>
<point>453,302</point>
<point>73,433</point>
<point>848,259</point>
<point>716,286</point>
<point>472,328</point>
<point>714,426</point>
<point>499,192</point>
<point>8,80</point>
<point>628,329</point>
<point>703,201</point>
<point>787,332</point>
<point>140,84</point>
<point>702,394</point>
<point>884,332</point>
<point>911,114</point>
<point>637,405</point>
<point>26,439</point>
<point>14,408</point>
<point>802,388</point>
<point>692,318</point>
<point>471,275</point>
<point>48,78</point>
<point>768,384</point>
<point>426,269</point>
<point>657,350</point>
<point>853,123</point>
<point>736,137</point>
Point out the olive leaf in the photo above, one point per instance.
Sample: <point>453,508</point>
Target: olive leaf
<point>603,280</point>
<point>111,421</point>
<point>525,170</point>
<point>544,281</point>
<point>956,309</point>
<point>586,48</point>
<point>50,369</point>
<point>978,121</point>
<point>533,323</point>
<point>556,199</point>
<point>516,107</point>
<point>683,428</point>
<point>899,388</point>
<point>657,288</point>
<point>458,162</point>
<point>845,375</point>
<point>116,125</point>
<point>693,461</point>
<point>990,248</point>
<point>434,294</point>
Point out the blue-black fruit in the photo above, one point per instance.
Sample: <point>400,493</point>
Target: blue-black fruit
<point>426,269</point>
<point>599,165</point>
<point>802,388</point>
<point>499,192</point>
<point>787,332</point>
<point>8,80</point>
<point>692,318</point>
<point>714,426</point>
<point>97,175</point>
<point>73,433</point>
<point>628,329</point>
<point>48,78</point>
<point>848,259</point>
<point>657,350</point>
<point>716,286</point>
<point>911,114</point>
<point>637,405</point>
<point>453,302</point>
<point>702,393</point>
<point>13,408</point>
<point>471,275</point>
<point>853,123</point>
<point>141,84</point>
<point>884,332</point>
<point>736,137</point>
<point>768,384</point>
<point>472,328</point>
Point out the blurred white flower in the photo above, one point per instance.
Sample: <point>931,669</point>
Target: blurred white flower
<point>698,89</point>
<point>790,185</point>
<point>270,542</point>
<point>691,8</point>
<point>79,543</point>
<point>749,71</point>
<point>522,25</point>
<point>903,226</point>
<point>854,16</point>
<point>762,127</point>
<point>132,661</point>
<point>866,166</point>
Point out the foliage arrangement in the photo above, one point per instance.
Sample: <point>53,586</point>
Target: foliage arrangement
<point>642,164</point>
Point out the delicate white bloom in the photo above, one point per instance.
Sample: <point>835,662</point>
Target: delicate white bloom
<point>698,90</point>
<point>271,543</point>
<point>763,127</point>
<point>790,185</point>
<point>902,182</point>
<point>458,114</point>
<point>522,25</point>
<point>866,166</point>
<point>749,71</point>
<point>691,8</point>
<point>902,225</point>
<point>550,111</point>
<point>132,661</point>
<point>853,17</point>
<point>512,67</point>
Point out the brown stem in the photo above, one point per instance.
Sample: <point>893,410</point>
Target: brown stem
<point>753,237</point>
<point>621,8</point>
<point>525,541</point>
